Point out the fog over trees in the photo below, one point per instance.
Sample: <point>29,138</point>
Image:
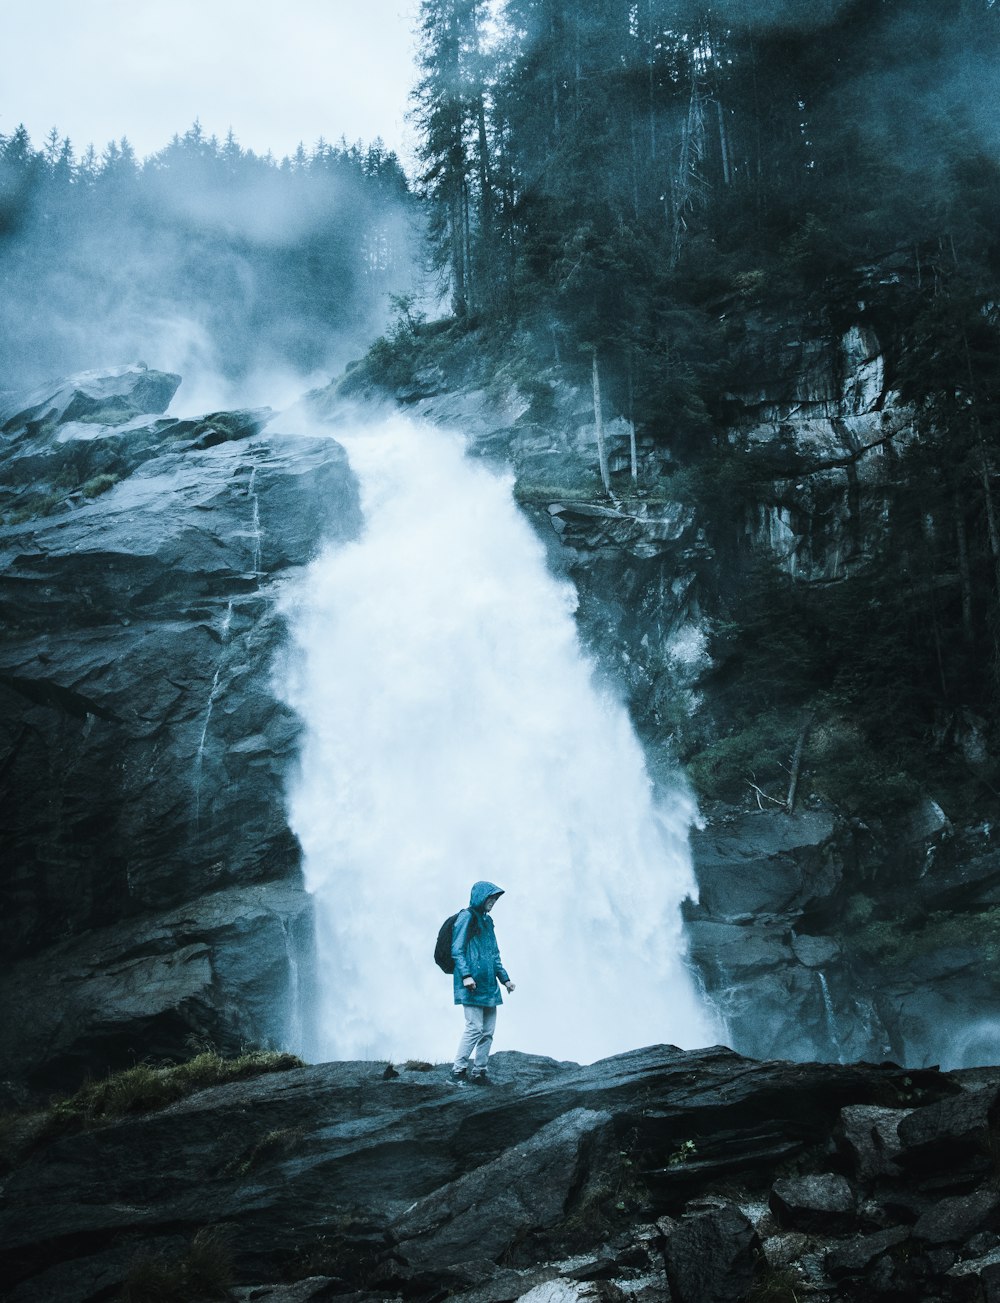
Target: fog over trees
<point>205,256</point>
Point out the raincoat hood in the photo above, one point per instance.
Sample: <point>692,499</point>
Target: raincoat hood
<point>481,892</point>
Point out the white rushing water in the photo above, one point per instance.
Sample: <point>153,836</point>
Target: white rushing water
<point>453,731</point>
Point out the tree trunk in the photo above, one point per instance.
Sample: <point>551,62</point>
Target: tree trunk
<point>459,304</point>
<point>471,288</point>
<point>602,452</point>
<point>633,451</point>
<point>964,574</point>
<point>991,515</point>
<point>652,88</point>
<point>723,144</point>
<point>984,468</point>
<point>800,747</point>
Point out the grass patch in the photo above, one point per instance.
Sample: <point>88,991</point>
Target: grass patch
<point>93,488</point>
<point>776,1285</point>
<point>144,1088</point>
<point>890,942</point>
<point>35,506</point>
<point>530,494</point>
<point>141,1089</point>
<point>204,1272</point>
<point>760,754</point>
<point>270,1148</point>
<point>54,497</point>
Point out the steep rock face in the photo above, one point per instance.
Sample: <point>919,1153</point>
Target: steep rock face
<point>143,748</point>
<point>222,966</point>
<point>829,410</point>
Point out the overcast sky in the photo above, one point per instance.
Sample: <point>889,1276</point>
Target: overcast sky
<point>276,71</point>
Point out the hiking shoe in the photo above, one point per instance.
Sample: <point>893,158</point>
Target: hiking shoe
<point>460,1078</point>
<point>481,1079</point>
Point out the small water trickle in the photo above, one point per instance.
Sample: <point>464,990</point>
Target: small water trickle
<point>255,528</point>
<point>831,1021</point>
<point>294,1020</point>
<point>200,753</point>
<point>199,757</point>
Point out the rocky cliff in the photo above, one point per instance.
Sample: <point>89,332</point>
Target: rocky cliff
<point>150,887</point>
<point>698,1177</point>
<point>824,932</point>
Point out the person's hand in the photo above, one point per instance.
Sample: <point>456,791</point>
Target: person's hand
<point>510,986</point>
<point>469,982</point>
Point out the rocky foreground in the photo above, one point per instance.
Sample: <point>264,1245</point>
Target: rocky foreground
<point>697,1176</point>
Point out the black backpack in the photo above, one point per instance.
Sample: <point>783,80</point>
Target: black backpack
<point>442,947</point>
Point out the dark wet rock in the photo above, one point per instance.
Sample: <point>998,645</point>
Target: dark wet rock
<point>336,1171</point>
<point>761,863</point>
<point>982,1243</point>
<point>144,751</point>
<point>784,1249</point>
<point>711,1257</point>
<point>817,1202</point>
<point>773,1003</point>
<point>856,1256</point>
<point>956,1219</point>
<point>950,1135</point>
<point>302,1291</point>
<point>215,968</point>
<point>868,1136</point>
<point>786,986</point>
<point>644,530</point>
<point>975,1280</point>
<point>111,396</point>
<point>529,1188</point>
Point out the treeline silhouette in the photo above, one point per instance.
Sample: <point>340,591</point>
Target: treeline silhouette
<point>204,254</point>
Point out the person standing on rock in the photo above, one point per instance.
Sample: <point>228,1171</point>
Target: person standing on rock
<point>479,973</point>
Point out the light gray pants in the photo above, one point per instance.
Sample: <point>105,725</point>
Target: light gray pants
<point>477,1038</point>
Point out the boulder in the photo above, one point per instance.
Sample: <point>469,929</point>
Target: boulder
<point>950,1134</point>
<point>956,1219</point>
<point>764,863</point>
<point>113,395</point>
<point>867,1135</point>
<point>975,1279</point>
<point>817,1202</point>
<point>219,968</point>
<point>711,1257</point>
<point>856,1256</point>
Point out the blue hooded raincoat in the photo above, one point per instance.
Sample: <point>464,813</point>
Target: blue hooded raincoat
<point>475,952</point>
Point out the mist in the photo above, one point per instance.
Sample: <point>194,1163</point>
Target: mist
<point>205,259</point>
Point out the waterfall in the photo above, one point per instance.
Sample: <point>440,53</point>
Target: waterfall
<point>453,730</point>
